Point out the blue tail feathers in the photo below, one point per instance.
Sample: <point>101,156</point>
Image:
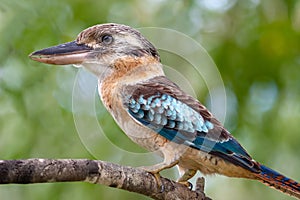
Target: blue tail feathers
<point>279,181</point>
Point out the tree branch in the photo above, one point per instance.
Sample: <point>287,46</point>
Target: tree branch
<point>97,172</point>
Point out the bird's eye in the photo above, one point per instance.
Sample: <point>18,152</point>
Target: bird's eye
<point>107,39</point>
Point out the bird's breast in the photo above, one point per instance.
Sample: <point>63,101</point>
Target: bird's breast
<point>113,99</point>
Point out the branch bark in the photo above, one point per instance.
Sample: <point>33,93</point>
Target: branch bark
<point>96,172</point>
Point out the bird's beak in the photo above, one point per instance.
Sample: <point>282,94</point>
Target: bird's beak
<point>63,54</point>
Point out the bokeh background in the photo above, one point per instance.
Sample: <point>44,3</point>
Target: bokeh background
<point>255,45</point>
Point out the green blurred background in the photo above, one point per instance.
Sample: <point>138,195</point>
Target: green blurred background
<point>254,43</point>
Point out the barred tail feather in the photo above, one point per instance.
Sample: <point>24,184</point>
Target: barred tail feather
<point>278,181</point>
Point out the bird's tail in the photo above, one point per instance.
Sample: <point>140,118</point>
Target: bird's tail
<point>278,181</point>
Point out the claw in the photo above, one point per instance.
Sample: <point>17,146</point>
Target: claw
<point>159,182</point>
<point>156,175</point>
<point>187,184</point>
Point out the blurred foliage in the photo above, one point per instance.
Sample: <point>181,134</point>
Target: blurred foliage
<point>254,43</point>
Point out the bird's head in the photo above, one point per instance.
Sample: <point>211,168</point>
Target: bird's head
<point>100,47</point>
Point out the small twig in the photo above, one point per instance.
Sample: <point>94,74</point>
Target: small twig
<point>97,172</point>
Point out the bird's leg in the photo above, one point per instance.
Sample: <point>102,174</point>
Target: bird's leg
<point>155,169</point>
<point>185,175</point>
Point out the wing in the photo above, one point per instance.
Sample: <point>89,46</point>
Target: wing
<point>163,107</point>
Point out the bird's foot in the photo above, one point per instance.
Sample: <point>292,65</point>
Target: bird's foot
<point>187,184</point>
<point>155,169</point>
<point>155,173</point>
<point>186,174</point>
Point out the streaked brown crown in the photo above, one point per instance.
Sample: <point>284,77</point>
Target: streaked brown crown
<point>126,40</point>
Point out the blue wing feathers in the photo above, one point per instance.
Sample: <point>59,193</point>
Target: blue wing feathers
<point>171,117</point>
<point>166,110</point>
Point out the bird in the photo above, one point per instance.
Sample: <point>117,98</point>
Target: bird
<point>156,113</point>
